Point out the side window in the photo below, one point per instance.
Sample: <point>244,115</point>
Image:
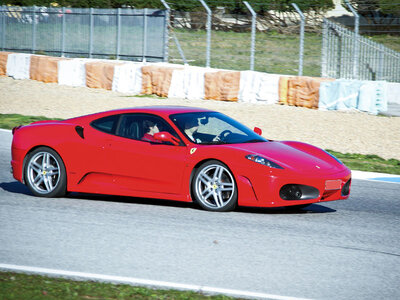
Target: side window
<point>130,127</point>
<point>106,124</point>
<point>143,127</point>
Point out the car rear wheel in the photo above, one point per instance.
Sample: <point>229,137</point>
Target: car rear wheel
<point>45,173</point>
<point>214,187</point>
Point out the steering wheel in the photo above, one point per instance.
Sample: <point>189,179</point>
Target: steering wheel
<point>224,134</point>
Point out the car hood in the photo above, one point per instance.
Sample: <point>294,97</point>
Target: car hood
<point>293,155</point>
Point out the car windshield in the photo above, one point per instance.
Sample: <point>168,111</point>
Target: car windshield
<point>214,128</point>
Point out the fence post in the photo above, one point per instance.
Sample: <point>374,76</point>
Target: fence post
<point>166,31</point>
<point>63,33</point>
<point>178,45</point>
<point>355,42</point>
<point>301,50</point>
<point>324,49</point>
<point>91,33</point>
<point>208,27</point>
<point>144,34</point>
<point>381,52</point>
<point>3,27</point>
<point>33,29</point>
<point>118,32</point>
<point>253,33</point>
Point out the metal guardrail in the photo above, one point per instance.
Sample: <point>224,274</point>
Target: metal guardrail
<point>346,54</point>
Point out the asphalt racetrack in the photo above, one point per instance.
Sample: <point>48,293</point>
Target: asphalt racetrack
<point>336,250</point>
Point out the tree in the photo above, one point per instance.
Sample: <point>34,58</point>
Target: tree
<point>380,15</point>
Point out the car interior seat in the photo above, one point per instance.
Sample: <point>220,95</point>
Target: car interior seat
<point>133,131</point>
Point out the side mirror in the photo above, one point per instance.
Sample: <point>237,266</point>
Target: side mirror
<point>257,130</point>
<point>165,136</point>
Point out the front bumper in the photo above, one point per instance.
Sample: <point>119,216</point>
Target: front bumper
<point>266,188</point>
<point>17,162</point>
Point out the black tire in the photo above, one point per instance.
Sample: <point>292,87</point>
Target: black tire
<point>214,187</point>
<point>45,173</point>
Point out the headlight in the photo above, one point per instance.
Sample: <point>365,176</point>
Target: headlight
<point>263,161</point>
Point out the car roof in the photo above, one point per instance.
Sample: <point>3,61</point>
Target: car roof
<point>161,110</point>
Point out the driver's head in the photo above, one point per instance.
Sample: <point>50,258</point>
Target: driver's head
<point>191,125</point>
<point>150,127</point>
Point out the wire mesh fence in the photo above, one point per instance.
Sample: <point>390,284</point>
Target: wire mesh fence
<point>348,55</point>
<point>237,38</point>
<point>130,34</point>
<point>263,36</point>
<point>278,45</point>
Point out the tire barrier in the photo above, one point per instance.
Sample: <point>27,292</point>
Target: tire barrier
<point>3,63</point>
<point>222,85</point>
<point>72,72</point>
<point>393,92</point>
<point>189,83</point>
<point>193,83</point>
<point>304,91</point>
<point>368,96</point>
<point>257,87</point>
<point>18,65</point>
<point>128,78</point>
<point>100,74</point>
<point>157,80</point>
<point>44,68</point>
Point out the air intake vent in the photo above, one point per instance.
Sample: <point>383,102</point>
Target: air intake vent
<point>79,131</point>
<point>298,192</point>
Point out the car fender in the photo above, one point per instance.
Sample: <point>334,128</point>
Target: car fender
<point>232,159</point>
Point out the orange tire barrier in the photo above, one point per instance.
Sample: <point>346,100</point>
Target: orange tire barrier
<point>157,80</point>
<point>304,91</point>
<point>3,63</point>
<point>283,89</point>
<point>222,85</point>
<point>44,68</point>
<point>100,74</point>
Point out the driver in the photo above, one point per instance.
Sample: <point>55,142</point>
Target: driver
<point>150,128</point>
<point>191,128</point>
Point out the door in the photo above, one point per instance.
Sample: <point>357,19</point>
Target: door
<point>141,164</point>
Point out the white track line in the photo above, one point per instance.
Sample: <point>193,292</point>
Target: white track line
<point>144,282</point>
<point>373,175</point>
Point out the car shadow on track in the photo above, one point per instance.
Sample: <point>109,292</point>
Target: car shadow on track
<point>15,187</point>
<point>133,200</point>
<point>313,208</point>
<point>19,188</point>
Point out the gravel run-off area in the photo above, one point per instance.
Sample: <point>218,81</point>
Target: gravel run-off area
<point>347,132</point>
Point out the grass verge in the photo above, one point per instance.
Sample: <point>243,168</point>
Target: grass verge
<point>8,121</point>
<point>23,286</point>
<point>370,163</point>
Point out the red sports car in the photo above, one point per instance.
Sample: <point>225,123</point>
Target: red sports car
<point>175,153</point>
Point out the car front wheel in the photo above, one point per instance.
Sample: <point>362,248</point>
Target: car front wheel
<point>45,173</point>
<point>214,187</point>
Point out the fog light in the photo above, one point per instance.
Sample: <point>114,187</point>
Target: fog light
<point>346,188</point>
<point>290,192</point>
<point>298,192</point>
